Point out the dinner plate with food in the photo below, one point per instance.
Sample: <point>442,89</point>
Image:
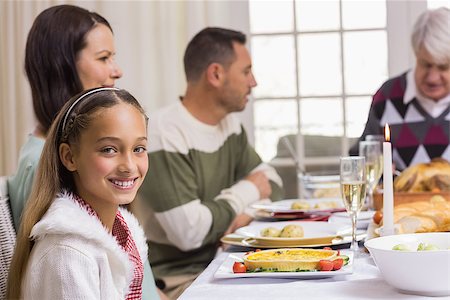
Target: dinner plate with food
<point>263,215</point>
<point>287,263</point>
<point>293,234</point>
<point>322,205</point>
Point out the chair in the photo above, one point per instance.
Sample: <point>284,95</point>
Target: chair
<point>7,236</point>
<point>315,146</point>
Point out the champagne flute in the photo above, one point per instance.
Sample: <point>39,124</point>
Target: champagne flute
<point>353,189</point>
<point>371,150</point>
<point>375,138</point>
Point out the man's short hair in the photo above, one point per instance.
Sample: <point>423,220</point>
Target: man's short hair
<point>211,45</point>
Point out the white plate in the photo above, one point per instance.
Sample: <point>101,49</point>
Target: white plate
<point>238,240</point>
<point>284,206</point>
<point>364,218</point>
<point>226,270</point>
<point>312,230</point>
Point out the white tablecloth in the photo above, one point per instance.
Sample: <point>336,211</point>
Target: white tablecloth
<point>365,283</point>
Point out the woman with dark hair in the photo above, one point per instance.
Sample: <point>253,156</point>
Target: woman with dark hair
<point>69,49</point>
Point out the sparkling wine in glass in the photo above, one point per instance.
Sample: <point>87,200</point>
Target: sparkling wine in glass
<point>353,189</point>
<point>372,151</point>
<point>375,138</point>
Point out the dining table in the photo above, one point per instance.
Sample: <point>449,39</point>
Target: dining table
<point>364,282</point>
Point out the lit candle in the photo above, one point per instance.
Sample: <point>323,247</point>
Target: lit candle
<point>388,191</point>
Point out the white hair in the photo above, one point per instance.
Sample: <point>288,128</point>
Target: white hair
<point>432,31</point>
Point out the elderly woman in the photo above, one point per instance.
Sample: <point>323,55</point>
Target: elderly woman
<point>416,103</point>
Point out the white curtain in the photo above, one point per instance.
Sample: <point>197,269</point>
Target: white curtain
<point>150,40</point>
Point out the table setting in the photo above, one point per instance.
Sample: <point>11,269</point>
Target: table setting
<point>316,234</point>
<point>335,247</point>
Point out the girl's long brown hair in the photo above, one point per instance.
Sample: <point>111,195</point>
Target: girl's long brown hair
<point>52,177</point>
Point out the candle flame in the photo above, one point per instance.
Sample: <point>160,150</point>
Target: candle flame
<point>387,133</point>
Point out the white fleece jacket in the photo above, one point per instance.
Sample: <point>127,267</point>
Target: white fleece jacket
<point>74,256</point>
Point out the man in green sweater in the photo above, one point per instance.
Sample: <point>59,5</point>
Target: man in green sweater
<point>204,173</point>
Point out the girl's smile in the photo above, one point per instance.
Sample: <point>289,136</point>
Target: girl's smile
<point>124,184</point>
<point>110,160</point>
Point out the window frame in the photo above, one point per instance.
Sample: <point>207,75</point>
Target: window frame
<point>400,17</point>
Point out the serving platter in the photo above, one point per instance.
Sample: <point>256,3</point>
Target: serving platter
<point>312,231</point>
<point>225,271</point>
<point>263,215</point>
<point>316,234</point>
<point>237,240</point>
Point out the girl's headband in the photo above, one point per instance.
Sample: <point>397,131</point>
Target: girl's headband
<point>81,98</point>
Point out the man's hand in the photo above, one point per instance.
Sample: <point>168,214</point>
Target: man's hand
<point>262,183</point>
<point>238,222</point>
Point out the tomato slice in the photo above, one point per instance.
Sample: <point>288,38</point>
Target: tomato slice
<point>325,265</point>
<point>239,267</point>
<point>338,263</point>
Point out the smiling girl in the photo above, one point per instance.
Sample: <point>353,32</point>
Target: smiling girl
<point>75,242</point>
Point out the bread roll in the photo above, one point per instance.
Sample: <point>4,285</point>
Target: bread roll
<point>439,202</point>
<point>292,231</point>
<point>270,232</point>
<point>423,216</point>
<point>398,214</point>
<point>439,217</point>
<point>420,205</point>
<point>416,224</point>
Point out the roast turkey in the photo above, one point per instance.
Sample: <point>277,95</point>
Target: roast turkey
<point>425,177</point>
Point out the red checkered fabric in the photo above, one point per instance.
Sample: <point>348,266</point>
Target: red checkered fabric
<point>122,233</point>
<point>124,238</point>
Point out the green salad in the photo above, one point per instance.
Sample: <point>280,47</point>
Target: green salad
<point>420,247</point>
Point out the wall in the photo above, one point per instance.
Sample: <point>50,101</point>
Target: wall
<point>150,40</point>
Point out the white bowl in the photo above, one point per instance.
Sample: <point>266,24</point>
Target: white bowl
<point>414,272</point>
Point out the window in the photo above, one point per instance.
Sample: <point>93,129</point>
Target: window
<point>438,3</point>
<point>317,64</point>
